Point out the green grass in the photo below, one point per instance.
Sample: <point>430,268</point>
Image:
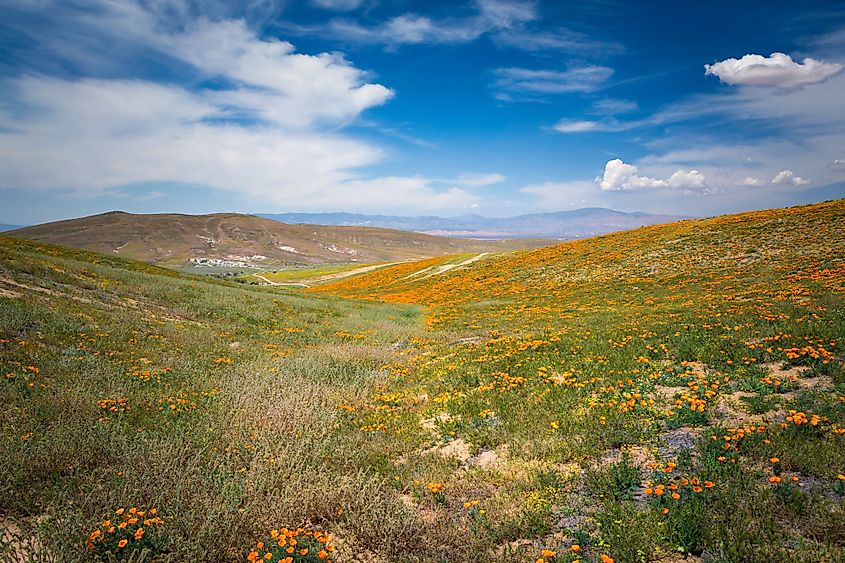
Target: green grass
<point>527,401</point>
<point>299,274</point>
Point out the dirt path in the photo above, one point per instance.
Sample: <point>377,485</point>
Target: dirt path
<point>271,282</point>
<point>361,270</point>
<point>331,277</point>
<point>437,270</point>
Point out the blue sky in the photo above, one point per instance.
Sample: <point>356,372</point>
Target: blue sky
<point>495,107</point>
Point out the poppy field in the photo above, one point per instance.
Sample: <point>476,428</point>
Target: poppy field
<point>672,393</point>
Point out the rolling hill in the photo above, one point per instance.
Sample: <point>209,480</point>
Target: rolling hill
<point>246,240</point>
<point>672,393</point>
<point>577,223</point>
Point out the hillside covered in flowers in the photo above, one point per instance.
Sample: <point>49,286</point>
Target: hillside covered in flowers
<point>672,393</point>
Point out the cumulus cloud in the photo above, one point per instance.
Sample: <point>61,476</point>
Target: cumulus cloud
<point>778,71</point>
<point>578,79</point>
<point>750,182</point>
<point>270,129</point>
<point>787,177</point>
<point>619,176</point>
<point>279,85</point>
<point>686,180</point>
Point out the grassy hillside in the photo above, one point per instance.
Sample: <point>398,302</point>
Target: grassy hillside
<point>126,385</point>
<point>677,388</point>
<point>666,394</point>
<point>172,240</point>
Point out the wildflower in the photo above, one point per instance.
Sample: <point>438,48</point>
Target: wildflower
<point>122,543</point>
<point>435,487</point>
<point>575,548</point>
<point>774,479</point>
<point>548,553</point>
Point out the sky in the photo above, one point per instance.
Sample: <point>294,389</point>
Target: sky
<point>494,107</point>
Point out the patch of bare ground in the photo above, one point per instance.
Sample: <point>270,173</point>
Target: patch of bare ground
<point>637,455</point>
<point>729,410</point>
<point>675,441</point>
<point>777,369</point>
<point>431,423</point>
<point>664,396</point>
<point>19,546</point>
<point>457,449</point>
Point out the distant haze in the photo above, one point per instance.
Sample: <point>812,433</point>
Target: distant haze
<point>578,223</point>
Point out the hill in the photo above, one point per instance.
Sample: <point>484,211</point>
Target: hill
<point>243,241</point>
<point>675,388</point>
<point>577,223</point>
<point>671,393</point>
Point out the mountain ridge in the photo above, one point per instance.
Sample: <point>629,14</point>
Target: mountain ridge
<point>571,224</point>
<point>246,241</point>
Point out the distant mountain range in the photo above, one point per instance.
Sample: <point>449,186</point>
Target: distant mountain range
<point>5,227</point>
<point>232,240</point>
<point>578,223</point>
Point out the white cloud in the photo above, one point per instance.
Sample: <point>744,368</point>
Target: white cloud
<point>613,106</point>
<point>616,175</point>
<point>777,70</point>
<point>560,39</point>
<point>339,5</point>
<point>581,126</point>
<point>410,28</point>
<point>619,175</point>
<point>477,180</point>
<point>269,131</point>
<point>91,136</point>
<point>578,79</point>
<point>686,180</point>
<point>750,181</point>
<point>278,85</point>
<point>787,177</point>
